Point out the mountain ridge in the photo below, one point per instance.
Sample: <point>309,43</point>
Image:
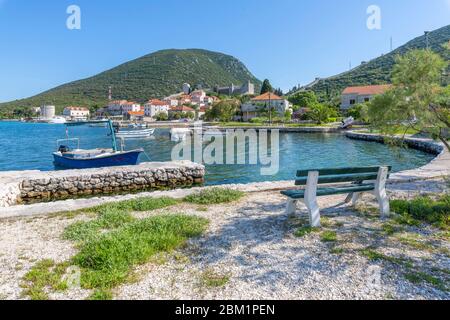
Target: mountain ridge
<point>151,76</point>
<point>377,70</point>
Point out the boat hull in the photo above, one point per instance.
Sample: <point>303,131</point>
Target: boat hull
<point>129,158</point>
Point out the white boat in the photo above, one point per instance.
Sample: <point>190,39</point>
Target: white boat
<point>135,134</point>
<point>179,134</point>
<point>57,120</point>
<point>347,123</point>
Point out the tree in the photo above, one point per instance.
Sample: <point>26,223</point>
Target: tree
<point>304,99</point>
<point>223,111</point>
<point>359,112</point>
<point>162,116</point>
<point>279,92</point>
<point>320,113</point>
<point>416,100</point>
<point>266,87</point>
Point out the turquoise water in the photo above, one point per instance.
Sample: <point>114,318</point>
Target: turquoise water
<point>26,146</point>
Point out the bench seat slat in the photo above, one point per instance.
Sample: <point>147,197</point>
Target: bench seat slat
<point>339,178</point>
<point>300,194</point>
<point>336,171</point>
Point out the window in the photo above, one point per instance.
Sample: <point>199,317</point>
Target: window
<point>366,99</point>
<point>352,101</point>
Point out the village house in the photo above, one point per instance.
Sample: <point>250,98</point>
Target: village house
<point>122,107</point>
<point>356,95</point>
<point>198,97</point>
<point>76,113</point>
<point>255,106</point>
<point>180,109</point>
<point>155,106</point>
<point>134,115</point>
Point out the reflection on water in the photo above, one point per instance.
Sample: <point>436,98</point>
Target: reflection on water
<point>30,147</point>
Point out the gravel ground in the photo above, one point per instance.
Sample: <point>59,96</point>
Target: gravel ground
<point>251,246</point>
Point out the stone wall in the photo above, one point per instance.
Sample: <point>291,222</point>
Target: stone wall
<point>425,145</point>
<point>35,186</point>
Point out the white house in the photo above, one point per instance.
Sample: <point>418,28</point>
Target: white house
<point>122,107</point>
<point>155,106</point>
<point>76,113</point>
<point>255,106</point>
<point>356,95</point>
<point>198,97</point>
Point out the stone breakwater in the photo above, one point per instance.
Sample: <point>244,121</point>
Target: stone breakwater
<point>425,145</point>
<point>35,186</point>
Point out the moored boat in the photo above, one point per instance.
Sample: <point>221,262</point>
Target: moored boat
<point>135,134</point>
<point>78,158</point>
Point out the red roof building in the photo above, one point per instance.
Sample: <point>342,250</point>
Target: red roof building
<point>362,94</point>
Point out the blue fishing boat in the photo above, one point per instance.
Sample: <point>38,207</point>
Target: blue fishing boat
<point>78,158</point>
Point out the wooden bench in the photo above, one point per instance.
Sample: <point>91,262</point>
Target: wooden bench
<point>357,181</point>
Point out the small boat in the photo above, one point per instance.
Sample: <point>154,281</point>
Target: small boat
<point>179,134</point>
<point>78,158</point>
<point>135,134</point>
<point>347,123</point>
<point>57,120</point>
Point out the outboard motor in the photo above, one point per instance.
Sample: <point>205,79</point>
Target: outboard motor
<point>63,149</point>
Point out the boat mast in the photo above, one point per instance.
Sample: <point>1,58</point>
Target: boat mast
<point>113,135</point>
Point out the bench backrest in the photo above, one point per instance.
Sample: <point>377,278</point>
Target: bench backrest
<point>358,174</point>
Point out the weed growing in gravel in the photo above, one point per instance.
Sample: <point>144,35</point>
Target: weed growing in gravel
<point>213,279</point>
<point>419,277</point>
<point>101,294</point>
<point>375,255</point>
<point>46,274</point>
<point>424,209</point>
<point>214,196</point>
<point>414,241</point>
<point>328,236</point>
<point>303,231</point>
<point>108,219</point>
<point>337,250</point>
<point>141,204</point>
<point>106,260</point>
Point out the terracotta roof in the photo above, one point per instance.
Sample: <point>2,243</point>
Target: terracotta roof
<point>135,113</point>
<point>181,109</point>
<point>156,102</point>
<point>267,96</point>
<point>367,90</point>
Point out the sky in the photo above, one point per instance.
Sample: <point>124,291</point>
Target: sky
<point>290,42</point>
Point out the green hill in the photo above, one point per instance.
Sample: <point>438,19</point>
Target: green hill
<point>377,71</point>
<point>152,76</point>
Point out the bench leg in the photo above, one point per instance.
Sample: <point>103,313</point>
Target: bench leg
<point>355,197</point>
<point>291,207</point>
<point>314,212</point>
<point>311,199</point>
<point>381,194</point>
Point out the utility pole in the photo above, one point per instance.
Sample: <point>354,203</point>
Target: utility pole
<point>427,39</point>
<point>392,47</point>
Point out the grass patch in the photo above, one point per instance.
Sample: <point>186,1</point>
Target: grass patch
<point>213,279</point>
<point>214,196</point>
<point>374,255</point>
<point>138,205</point>
<point>107,260</point>
<point>328,236</point>
<point>108,219</point>
<point>420,277</point>
<point>45,275</point>
<point>303,231</point>
<point>424,209</point>
<point>337,250</point>
<point>413,241</point>
<point>101,294</point>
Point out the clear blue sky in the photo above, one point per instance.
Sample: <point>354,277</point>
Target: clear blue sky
<point>287,41</point>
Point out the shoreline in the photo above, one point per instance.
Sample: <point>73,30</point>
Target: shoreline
<point>439,167</point>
